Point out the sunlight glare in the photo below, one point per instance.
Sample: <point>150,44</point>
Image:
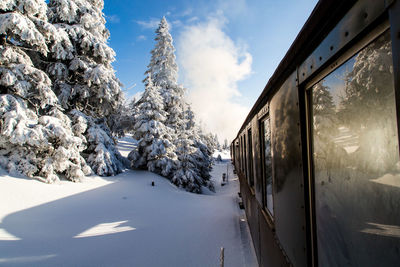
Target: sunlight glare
<point>105,229</point>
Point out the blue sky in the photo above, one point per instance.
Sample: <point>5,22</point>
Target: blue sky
<point>240,44</point>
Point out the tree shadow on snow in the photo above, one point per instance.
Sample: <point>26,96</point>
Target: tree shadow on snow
<point>111,226</point>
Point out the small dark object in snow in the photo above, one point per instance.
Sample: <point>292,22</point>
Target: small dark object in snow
<point>222,184</point>
<point>219,158</point>
<point>239,194</point>
<point>241,206</point>
<point>152,183</point>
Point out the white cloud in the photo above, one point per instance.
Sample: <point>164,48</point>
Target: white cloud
<point>141,38</point>
<point>192,19</point>
<point>212,64</point>
<point>176,23</point>
<point>150,24</point>
<point>113,19</point>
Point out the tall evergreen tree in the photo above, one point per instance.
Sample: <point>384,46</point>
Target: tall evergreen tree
<point>155,151</point>
<point>35,137</point>
<point>85,81</point>
<point>169,141</point>
<point>164,71</point>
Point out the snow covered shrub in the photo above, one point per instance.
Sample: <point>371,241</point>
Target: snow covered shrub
<point>100,153</point>
<point>189,174</point>
<point>41,147</point>
<point>35,136</point>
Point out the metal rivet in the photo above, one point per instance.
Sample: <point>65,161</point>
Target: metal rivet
<point>331,48</point>
<point>311,67</point>
<point>320,58</point>
<point>346,34</point>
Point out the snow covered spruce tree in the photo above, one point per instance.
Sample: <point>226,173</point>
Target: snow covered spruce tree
<point>155,150</point>
<point>194,157</point>
<point>168,141</point>
<point>164,72</point>
<point>85,81</point>
<point>35,136</point>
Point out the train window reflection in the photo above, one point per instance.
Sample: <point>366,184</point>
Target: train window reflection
<point>266,135</point>
<point>250,175</point>
<point>356,161</point>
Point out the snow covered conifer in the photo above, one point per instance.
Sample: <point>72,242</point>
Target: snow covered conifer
<point>202,154</point>
<point>190,174</point>
<point>85,81</point>
<point>164,72</point>
<point>155,151</point>
<point>35,137</point>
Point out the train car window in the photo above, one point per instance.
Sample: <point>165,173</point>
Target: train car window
<point>244,155</point>
<point>267,165</point>
<point>240,153</point>
<point>356,161</point>
<point>250,175</point>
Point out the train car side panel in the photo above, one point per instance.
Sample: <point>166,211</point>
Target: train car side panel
<point>288,173</point>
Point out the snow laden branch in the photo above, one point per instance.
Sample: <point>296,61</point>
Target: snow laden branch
<point>57,86</point>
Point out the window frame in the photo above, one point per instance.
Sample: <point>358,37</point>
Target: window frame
<point>261,124</point>
<point>250,161</point>
<point>307,86</point>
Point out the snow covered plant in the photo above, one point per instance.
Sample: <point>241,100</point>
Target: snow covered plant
<point>85,81</point>
<point>189,174</point>
<point>164,72</point>
<point>155,151</point>
<point>169,142</point>
<point>35,136</point>
<point>100,153</point>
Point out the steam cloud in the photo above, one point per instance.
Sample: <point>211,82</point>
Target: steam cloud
<point>211,64</point>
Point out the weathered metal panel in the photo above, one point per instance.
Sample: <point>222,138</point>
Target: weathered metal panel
<point>271,253</point>
<point>362,14</point>
<point>288,173</point>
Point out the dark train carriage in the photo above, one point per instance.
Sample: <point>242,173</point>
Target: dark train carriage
<point>318,154</point>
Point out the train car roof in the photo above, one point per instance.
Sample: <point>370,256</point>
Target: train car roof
<point>325,15</point>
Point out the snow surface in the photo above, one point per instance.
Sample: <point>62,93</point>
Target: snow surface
<point>122,221</point>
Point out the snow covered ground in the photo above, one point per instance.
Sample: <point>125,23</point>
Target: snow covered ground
<point>121,221</point>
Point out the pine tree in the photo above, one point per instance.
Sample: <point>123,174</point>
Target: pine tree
<point>164,72</point>
<point>155,151</point>
<point>192,172</point>
<point>368,107</point>
<point>324,114</point>
<point>169,142</point>
<point>201,154</point>
<point>35,137</point>
<point>85,81</point>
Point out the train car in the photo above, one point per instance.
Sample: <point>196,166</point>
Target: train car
<point>318,154</point>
